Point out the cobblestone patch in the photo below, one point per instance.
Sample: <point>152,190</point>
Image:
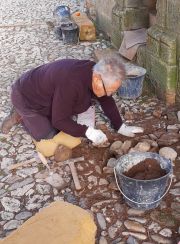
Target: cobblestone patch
<point>27,40</point>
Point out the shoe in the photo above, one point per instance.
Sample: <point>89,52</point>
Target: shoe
<point>12,119</point>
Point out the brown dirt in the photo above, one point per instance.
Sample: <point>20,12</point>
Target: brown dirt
<point>146,170</point>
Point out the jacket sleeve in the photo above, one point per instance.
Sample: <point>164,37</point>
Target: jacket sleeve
<point>111,111</point>
<point>62,112</point>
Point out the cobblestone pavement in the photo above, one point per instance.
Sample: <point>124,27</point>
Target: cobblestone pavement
<point>27,40</point>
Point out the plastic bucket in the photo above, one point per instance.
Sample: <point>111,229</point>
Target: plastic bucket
<point>131,88</point>
<point>142,194</point>
<point>70,33</point>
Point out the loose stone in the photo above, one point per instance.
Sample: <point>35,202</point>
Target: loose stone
<point>10,204</point>
<point>168,153</point>
<point>103,240</point>
<point>137,235</point>
<point>23,215</point>
<point>166,232</point>
<point>154,226</point>
<point>135,212</point>
<point>7,215</point>
<point>134,226</point>
<point>12,224</point>
<point>101,221</point>
<point>161,240</point>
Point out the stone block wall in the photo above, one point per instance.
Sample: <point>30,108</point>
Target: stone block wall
<point>161,56</point>
<point>163,50</point>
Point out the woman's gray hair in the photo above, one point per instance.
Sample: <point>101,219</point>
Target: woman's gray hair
<point>111,69</point>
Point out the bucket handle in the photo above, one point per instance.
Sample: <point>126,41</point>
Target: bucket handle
<point>141,202</point>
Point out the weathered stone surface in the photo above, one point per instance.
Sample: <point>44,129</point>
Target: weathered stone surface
<point>10,204</point>
<point>23,215</point>
<point>7,215</point>
<point>161,240</point>
<point>168,153</point>
<point>56,181</point>
<point>166,232</point>
<point>135,212</point>
<point>101,221</point>
<point>12,224</point>
<point>134,226</point>
<point>137,235</point>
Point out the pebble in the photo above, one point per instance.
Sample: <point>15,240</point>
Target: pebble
<point>166,232</point>
<point>12,224</point>
<point>10,204</point>
<point>21,191</point>
<point>103,240</point>
<point>134,226</point>
<point>140,220</point>
<point>56,181</point>
<point>26,172</point>
<point>137,235</point>
<point>142,147</point>
<point>131,240</point>
<point>168,153</point>
<point>20,184</point>
<point>175,192</point>
<point>161,240</point>
<point>135,212</point>
<point>23,215</point>
<point>154,226</point>
<point>101,221</point>
<point>43,189</point>
<point>112,231</point>
<point>178,115</point>
<point>112,162</point>
<point>7,215</point>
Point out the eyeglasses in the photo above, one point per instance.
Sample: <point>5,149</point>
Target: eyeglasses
<point>104,87</point>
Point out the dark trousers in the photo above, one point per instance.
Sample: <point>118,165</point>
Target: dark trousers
<point>37,125</point>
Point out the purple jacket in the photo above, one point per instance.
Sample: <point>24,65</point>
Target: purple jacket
<point>61,89</point>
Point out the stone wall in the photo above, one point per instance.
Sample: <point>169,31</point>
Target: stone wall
<point>161,56</point>
<point>163,50</point>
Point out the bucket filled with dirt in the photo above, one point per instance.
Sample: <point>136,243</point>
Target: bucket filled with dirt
<point>143,179</point>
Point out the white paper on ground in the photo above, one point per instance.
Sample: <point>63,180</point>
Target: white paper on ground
<point>87,118</point>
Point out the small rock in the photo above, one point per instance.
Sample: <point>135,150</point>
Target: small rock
<point>23,215</point>
<point>166,232</point>
<point>142,147</point>
<point>56,181</point>
<point>12,224</point>
<point>134,226</point>
<point>103,240</point>
<point>7,216</point>
<point>135,212</point>
<point>131,240</point>
<point>103,182</point>
<point>161,240</point>
<point>155,227</point>
<point>126,146</point>
<point>108,170</point>
<point>62,153</point>
<point>116,241</point>
<point>178,115</point>
<point>140,220</point>
<point>175,192</point>
<point>43,189</point>
<point>168,153</point>
<point>92,179</point>
<point>119,208</point>
<point>26,172</point>
<point>101,221</point>
<point>112,162</point>
<point>168,139</point>
<point>116,147</point>
<point>137,235</point>
<point>10,204</point>
<point>112,232</point>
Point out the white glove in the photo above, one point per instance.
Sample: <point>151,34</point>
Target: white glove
<point>129,131</point>
<point>96,136</point>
